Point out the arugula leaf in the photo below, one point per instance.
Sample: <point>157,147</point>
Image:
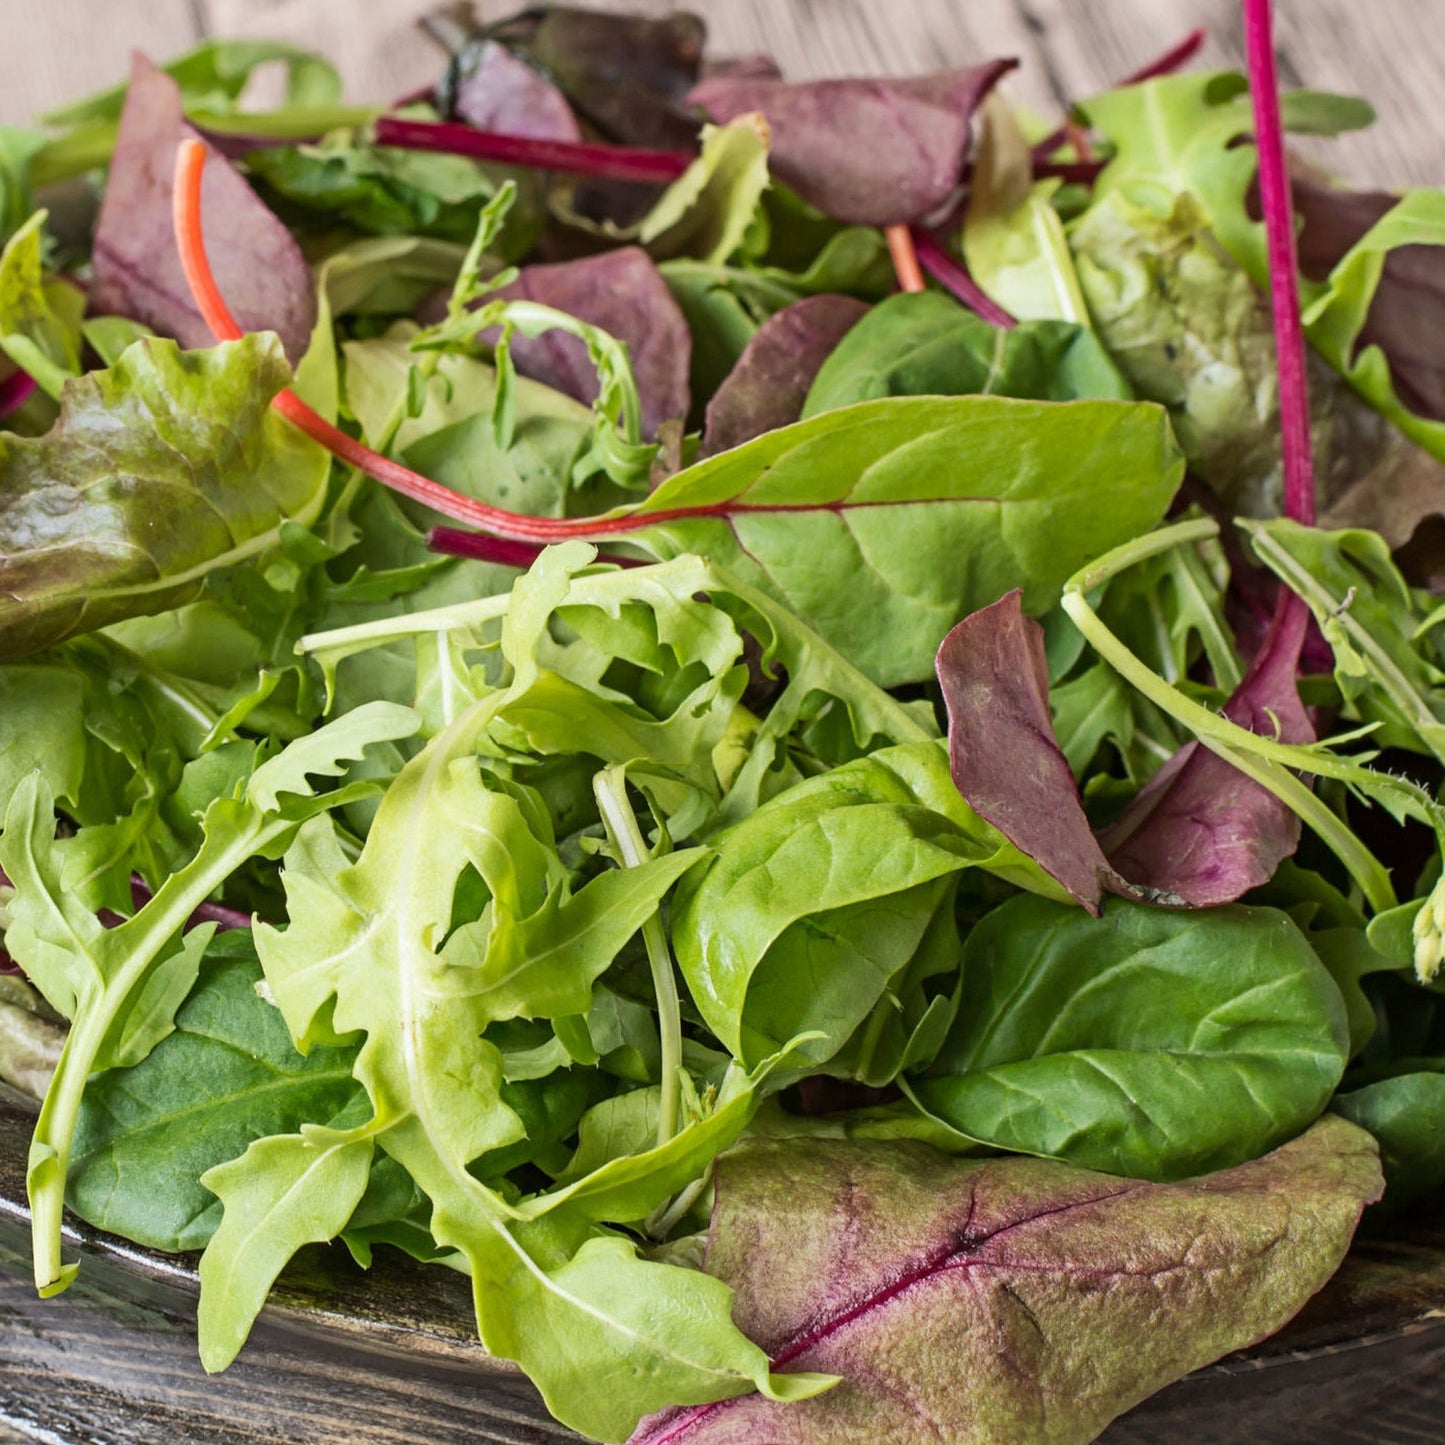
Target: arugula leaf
<point>121,986</point>
<point>227,1075</point>
<point>370,948</point>
<point>1385,664</point>
<point>161,470</point>
<point>1033,1282</point>
<point>1228,1003</point>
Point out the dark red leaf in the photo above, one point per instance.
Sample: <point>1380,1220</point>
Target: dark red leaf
<point>622,292</point>
<point>872,152</point>
<point>493,90</point>
<point>137,267</point>
<point>627,75</point>
<point>1001,746</point>
<point>1202,830</point>
<point>767,387</point>
<point>1005,1301</point>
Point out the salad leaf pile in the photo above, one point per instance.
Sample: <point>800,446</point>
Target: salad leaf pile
<point>555,721</point>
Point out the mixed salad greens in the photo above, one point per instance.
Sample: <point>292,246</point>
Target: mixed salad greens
<point>557,720</point>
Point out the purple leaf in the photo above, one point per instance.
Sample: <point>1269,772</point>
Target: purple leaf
<point>872,152</point>
<point>1001,746</point>
<point>624,293</point>
<point>625,74</point>
<point>259,266</point>
<point>496,91</point>
<point>1202,830</point>
<point>768,385</point>
<point>1006,1301</point>
<point>1407,310</point>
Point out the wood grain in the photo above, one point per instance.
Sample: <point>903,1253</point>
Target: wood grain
<point>1392,51</point>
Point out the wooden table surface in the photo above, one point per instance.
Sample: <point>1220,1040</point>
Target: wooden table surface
<point>1392,51</point>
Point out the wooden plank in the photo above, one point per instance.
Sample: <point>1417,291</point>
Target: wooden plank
<point>1069,48</point>
<point>58,50</point>
<point>1391,53</point>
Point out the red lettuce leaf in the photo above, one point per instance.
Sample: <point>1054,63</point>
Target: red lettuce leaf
<point>1001,747</point>
<point>1201,829</point>
<point>1006,1301</point>
<point>138,273</point>
<point>768,385</point>
<point>622,292</point>
<point>870,152</point>
<point>626,75</point>
<point>1407,312</point>
<point>493,90</point>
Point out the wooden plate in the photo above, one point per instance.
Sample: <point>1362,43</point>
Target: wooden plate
<point>342,1357</point>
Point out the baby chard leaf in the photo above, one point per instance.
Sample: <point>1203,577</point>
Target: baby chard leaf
<point>1060,1297</point>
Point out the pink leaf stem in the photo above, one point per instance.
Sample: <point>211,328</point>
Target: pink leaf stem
<point>622,163</point>
<point>952,276</point>
<point>1274,191</point>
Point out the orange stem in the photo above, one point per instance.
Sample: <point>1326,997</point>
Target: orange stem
<point>905,258</point>
<point>190,241</point>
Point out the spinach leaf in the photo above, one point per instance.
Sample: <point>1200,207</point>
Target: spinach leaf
<point>1403,1112</point>
<point>227,1075</point>
<point>162,469</point>
<point>121,986</point>
<point>926,344</point>
<point>1094,1039</point>
<point>919,132</point>
<point>1061,1298</point>
<point>814,905</point>
<point>925,508</point>
<point>769,384</point>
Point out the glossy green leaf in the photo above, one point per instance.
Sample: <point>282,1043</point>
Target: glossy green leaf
<point>228,1075</point>
<point>1094,1040</point>
<point>926,344</point>
<point>925,509</point>
<point>816,903</point>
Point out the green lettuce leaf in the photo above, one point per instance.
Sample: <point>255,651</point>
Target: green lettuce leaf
<point>164,468</point>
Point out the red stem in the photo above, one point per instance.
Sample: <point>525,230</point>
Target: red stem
<point>622,163</point>
<point>480,548</point>
<point>1166,64</point>
<point>1274,191</point>
<point>954,278</point>
<point>513,526</point>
